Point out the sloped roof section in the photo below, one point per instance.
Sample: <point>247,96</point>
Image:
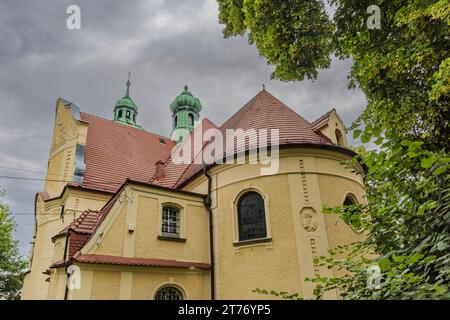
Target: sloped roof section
<point>116,260</point>
<point>81,229</point>
<point>115,152</point>
<point>173,171</point>
<point>264,111</point>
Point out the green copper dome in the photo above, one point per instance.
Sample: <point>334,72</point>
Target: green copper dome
<point>125,110</point>
<point>186,99</point>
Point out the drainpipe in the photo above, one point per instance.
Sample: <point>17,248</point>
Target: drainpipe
<point>211,237</point>
<point>66,264</point>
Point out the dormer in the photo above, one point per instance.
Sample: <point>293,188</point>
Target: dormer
<point>331,126</point>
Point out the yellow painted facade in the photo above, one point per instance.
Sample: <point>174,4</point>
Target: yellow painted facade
<point>297,230</point>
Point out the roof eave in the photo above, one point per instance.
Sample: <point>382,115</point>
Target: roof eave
<point>331,147</point>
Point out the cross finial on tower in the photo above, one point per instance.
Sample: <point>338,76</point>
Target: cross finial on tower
<point>128,85</point>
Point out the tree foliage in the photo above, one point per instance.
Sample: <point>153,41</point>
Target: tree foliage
<point>298,48</point>
<point>407,221</point>
<point>403,68</point>
<point>12,265</point>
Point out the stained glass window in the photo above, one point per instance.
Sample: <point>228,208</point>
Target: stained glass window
<point>251,217</point>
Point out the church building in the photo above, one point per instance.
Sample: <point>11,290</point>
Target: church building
<point>120,218</point>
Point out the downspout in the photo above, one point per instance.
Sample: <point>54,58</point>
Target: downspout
<point>66,291</point>
<point>211,235</point>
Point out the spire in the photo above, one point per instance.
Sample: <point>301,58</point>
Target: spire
<point>128,85</point>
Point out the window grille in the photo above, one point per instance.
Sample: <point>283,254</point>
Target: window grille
<point>171,222</point>
<point>168,293</point>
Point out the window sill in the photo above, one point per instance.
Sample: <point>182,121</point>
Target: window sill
<point>171,238</point>
<point>253,241</point>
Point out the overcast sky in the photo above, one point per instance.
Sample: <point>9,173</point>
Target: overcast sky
<point>164,44</point>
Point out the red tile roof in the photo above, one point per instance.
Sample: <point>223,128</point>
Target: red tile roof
<point>115,152</point>
<point>81,229</point>
<point>44,195</point>
<point>116,260</point>
<point>264,111</point>
<point>172,171</point>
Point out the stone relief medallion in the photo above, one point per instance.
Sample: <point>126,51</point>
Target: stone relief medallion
<point>309,219</point>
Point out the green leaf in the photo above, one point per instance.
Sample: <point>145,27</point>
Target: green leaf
<point>406,143</point>
<point>356,133</point>
<point>427,162</point>
<point>384,264</point>
<point>415,145</point>
<point>365,137</point>
<point>440,170</point>
<point>412,154</point>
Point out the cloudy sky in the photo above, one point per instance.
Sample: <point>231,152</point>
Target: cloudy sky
<point>164,44</point>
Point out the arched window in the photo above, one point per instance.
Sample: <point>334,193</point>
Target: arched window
<point>350,200</point>
<point>170,222</point>
<point>175,121</point>
<point>120,113</point>
<point>128,116</point>
<point>190,119</point>
<point>352,213</point>
<point>339,138</point>
<point>168,293</point>
<point>251,217</point>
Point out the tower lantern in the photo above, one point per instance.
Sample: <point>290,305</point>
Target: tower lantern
<point>125,110</point>
<point>185,114</point>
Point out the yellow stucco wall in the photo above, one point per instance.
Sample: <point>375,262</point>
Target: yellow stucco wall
<point>48,224</point>
<point>267,265</point>
<point>67,132</point>
<point>329,129</point>
<point>304,176</point>
<point>106,282</point>
<point>106,285</point>
<point>193,285</point>
<point>142,209</point>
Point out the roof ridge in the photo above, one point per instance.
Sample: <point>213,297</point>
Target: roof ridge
<point>210,121</point>
<point>124,125</point>
<point>322,117</point>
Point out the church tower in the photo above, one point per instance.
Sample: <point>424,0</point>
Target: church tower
<point>185,114</point>
<point>125,111</point>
